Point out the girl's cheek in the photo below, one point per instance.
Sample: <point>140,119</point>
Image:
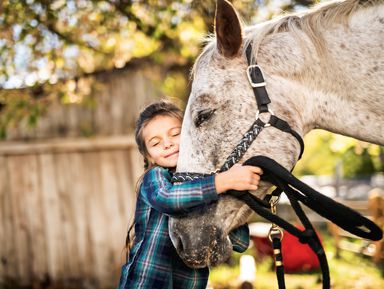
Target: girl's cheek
<point>177,140</point>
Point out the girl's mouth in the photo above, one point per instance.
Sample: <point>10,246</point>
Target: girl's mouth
<point>171,154</point>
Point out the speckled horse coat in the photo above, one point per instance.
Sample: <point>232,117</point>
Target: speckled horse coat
<point>323,69</point>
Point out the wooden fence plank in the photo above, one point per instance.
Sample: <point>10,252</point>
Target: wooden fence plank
<point>110,198</point>
<point>67,219</point>
<point>9,257</point>
<point>31,195</point>
<point>21,238</point>
<point>78,199</point>
<point>52,217</point>
<point>97,216</point>
<point>3,219</point>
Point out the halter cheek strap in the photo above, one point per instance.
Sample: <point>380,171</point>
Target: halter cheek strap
<point>258,84</point>
<point>256,79</point>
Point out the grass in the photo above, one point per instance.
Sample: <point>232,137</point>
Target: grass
<point>350,271</point>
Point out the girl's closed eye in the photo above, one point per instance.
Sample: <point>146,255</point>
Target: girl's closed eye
<point>175,132</point>
<point>154,142</point>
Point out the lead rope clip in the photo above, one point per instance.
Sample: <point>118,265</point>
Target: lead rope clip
<point>276,233</point>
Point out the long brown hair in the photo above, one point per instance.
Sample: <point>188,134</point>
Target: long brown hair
<point>162,107</point>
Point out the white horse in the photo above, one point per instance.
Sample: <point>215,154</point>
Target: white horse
<point>323,69</point>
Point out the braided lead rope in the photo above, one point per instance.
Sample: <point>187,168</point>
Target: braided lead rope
<point>242,147</point>
<point>232,159</point>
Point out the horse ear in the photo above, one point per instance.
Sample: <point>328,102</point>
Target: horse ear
<point>228,29</point>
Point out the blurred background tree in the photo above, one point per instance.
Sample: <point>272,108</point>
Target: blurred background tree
<point>323,150</point>
<point>51,48</point>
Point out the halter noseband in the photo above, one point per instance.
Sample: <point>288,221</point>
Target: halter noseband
<point>257,82</point>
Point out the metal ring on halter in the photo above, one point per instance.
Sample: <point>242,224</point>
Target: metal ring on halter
<point>275,230</point>
<point>269,111</point>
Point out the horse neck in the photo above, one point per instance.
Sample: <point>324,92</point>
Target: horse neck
<point>340,89</point>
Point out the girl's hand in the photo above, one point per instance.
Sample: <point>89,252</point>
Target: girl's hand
<point>239,178</point>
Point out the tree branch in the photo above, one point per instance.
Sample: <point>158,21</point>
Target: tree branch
<point>49,24</point>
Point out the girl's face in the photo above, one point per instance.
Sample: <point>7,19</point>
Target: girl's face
<point>161,137</point>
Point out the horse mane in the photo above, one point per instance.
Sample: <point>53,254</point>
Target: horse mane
<point>310,22</point>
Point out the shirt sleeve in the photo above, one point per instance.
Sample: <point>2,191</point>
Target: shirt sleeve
<point>163,196</point>
<point>240,238</point>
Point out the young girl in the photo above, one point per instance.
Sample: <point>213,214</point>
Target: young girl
<point>153,261</point>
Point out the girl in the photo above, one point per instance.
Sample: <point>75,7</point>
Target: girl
<point>153,261</point>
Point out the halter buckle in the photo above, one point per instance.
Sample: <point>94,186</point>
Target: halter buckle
<point>258,75</point>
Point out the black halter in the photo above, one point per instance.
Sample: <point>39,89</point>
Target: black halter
<point>257,82</point>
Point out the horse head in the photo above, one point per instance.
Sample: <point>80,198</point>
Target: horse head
<point>222,107</point>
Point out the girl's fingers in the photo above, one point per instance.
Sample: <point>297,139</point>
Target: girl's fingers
<point>255,179</point>
<point>253,187</point>
<point>255,170</point>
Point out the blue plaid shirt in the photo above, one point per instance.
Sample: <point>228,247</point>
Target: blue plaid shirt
<point>153,261</point>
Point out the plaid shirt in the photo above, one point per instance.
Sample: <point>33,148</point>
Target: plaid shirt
<point>153,261</point>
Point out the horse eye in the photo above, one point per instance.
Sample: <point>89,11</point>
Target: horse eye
<point>203,115</point>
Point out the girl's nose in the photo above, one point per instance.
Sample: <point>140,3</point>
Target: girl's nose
<point>167,143</point>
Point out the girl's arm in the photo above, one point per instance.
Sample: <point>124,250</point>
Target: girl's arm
<point>165,197</point>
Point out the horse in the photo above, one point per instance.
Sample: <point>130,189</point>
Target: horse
<point>323,68</point>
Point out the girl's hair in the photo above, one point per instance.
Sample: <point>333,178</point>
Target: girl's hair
<point>162,107</point>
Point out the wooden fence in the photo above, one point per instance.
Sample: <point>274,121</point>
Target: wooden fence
<point>64,210</point>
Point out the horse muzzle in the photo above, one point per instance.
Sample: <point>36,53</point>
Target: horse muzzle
<point>198,242</point>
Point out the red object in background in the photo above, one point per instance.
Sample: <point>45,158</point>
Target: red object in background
<point>297,257</point>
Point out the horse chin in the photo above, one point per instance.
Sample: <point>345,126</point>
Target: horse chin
<point>208,256</point>
<point>221,253</point>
